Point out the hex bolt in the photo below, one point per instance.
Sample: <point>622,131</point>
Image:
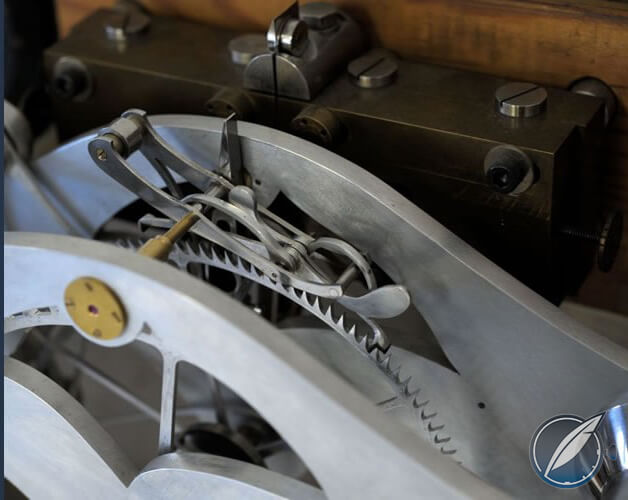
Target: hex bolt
<point>376,69</point>
<point>508,170</point>
<point>521,100</point>
<point>608,239</point>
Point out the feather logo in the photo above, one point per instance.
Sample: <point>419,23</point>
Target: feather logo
<point>572,444</point>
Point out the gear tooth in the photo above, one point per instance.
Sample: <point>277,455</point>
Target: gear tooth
<point>362,343</point>
<point>341,322</point>
<point>419,404</point>
<point>317,304</point>
<point>404,386</point>
<point>434,428</point>
<point>388,363</point>
<point>441,440</point>
<point>351,331</point>
<point>202,251</point>
<point>328,314</point>
<point>231,259</point>
<point>267,281</point>
<point>291,291</point>
<point>412,394</point>
<point>311,298</point>
<point>214,254</point>
<point>427,416</point>
<point>238,263</point>
<point>385,361</point>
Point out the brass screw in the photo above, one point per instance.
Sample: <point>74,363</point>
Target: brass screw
<point>95,308</point>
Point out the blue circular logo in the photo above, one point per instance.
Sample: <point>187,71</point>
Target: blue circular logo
<point>565,451</point>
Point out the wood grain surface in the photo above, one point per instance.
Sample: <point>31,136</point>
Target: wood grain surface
<point>546,41</point>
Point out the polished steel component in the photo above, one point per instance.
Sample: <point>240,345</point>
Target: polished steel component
<point>286,265</point>
<point>226,339</point>
<point>496,332</point>
<point>244,48</point>
<point>230,159</point>
<point>293,37</point>
<point>84,462</point>
<point>94,308</point>
<point>17,130</point>
<point>44,425</point>
<point>521,99</point>
<point>611,482</point>
<point>202,475</point>
<point>279,24</point>
<point>302,61</point>
<point>375,69</point>
<point>168,399</point>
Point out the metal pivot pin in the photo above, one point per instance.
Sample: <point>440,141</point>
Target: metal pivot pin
<point>95,308</point>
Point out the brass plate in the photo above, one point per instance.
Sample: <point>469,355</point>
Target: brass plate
<point>95,308</point>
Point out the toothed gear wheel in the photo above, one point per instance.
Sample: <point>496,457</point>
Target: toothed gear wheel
<point>407,391</point>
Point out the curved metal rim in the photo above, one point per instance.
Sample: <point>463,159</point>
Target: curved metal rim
<point>315,401</point>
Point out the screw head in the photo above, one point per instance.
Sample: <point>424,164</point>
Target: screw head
<point>610,240</point>
<point>521,99</point>
<point>376,69</point>
<point>94,308</point>
<point>245,47</point>
<point>504,177</point>
<point>508,170</point>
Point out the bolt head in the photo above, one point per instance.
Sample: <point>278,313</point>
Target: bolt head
<point>503,178</point>
<point>375,69</point>
<point>520,99</point>
<point>508,170</point>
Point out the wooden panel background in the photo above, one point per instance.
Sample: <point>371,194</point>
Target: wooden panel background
<point>547,41</point>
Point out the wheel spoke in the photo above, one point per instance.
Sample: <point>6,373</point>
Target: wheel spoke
<point>168,404</point>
